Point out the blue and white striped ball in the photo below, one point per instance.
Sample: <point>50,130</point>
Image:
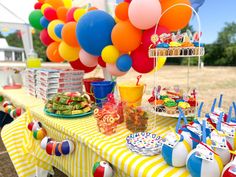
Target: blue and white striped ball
<point>176,156</point>
<point>203,168</point>
<point>45,141</point>
<point>187,134</point>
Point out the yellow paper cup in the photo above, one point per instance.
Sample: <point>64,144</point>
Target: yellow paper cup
<point>131,93</point>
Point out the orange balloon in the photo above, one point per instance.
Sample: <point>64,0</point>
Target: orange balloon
<point>61,13</point>
<point>125,36</point>
<point>92,8</point>
<point>69,34</point>
<point>121,11</point>
<point>176,17</point>
<point>53,52</point>
<point>55,3</point>
<point>42,1</point>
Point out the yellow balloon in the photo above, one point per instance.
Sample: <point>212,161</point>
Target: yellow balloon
<point>160,63</point>
<point>78,14</point>
<point>51,29</point>
<point>67,3</point>
<point>117,20</point>
<point>67,52</point>
<point>110,54</point>
<point>44,6</point>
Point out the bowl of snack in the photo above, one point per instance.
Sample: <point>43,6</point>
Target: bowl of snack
<point>69,105</point>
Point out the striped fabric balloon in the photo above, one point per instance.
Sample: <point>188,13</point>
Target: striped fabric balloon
<point>202,168</point>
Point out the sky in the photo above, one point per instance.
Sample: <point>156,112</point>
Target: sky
<point>213,14</point>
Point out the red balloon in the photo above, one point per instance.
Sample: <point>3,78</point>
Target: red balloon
<point>50,14</point>
<point>141,62</point>
<point>146,38</point>
<point>80,66</point>
<point>101,62</point>
<point>70,14</point>
<point>129,1</point>
<point>38,5</point>
<point>45,38</point>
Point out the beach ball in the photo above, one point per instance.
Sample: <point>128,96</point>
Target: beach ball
<point>45,141</point>
<point>224,154</point>
<point>93,31</point>
<point>39,134</point>
<point>30,126</point>
<point>202,168</point>
<point>57,151</point>
<point>187,134</point>
<point>102,169</point>
<point>6,103</point>
<point>37,125</point>
<point>12,113</point>
<point>176,156</point>
<point>50,148</point>
<point>66,147</point>
<point>8,108</point>
<point>226,171</point>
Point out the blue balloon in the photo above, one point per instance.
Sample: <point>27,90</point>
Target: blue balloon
<point>93,31</point>
<point>124,63</point>
<point>44,22</point>
<point>58,30</point>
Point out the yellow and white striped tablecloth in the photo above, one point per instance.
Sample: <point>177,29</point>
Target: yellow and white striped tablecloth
<point>92,146</point>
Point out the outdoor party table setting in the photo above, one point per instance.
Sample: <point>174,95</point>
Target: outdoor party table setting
<point>98,126</point>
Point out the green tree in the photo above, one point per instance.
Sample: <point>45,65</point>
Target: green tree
<point>223,51</point>
<point>14,39</point>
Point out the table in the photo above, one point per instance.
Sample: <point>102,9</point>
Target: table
<point>90,145</point>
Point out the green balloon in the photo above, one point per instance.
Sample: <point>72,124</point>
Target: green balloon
<point>34,19</point>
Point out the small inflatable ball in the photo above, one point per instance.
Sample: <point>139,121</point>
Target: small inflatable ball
<point>45,141</point>
<point>66,147</point>
<point>93,31</point>
<point>6,103</point>
<point>37,125</point>
<point>102,169</point>
<point>187,134</point>
<point>39,134</point>
<point>224,154</point>
<point>226,172</point>
<point>50,148</point>
<point>176,156</point>
<point>202,168</point>
<point>18,112</point>
<point>57,152</point>
<point>30,126</point>
<point>8,109</point>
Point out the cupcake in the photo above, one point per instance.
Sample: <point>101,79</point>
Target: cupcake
<point>174,48</point>
<point>163,49</point>
<point>187,48</point>
<point>192,102</point>
<point>159,105</point>
<point>184,106</point>
<point>170,107</point>
<point>162,97</point>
